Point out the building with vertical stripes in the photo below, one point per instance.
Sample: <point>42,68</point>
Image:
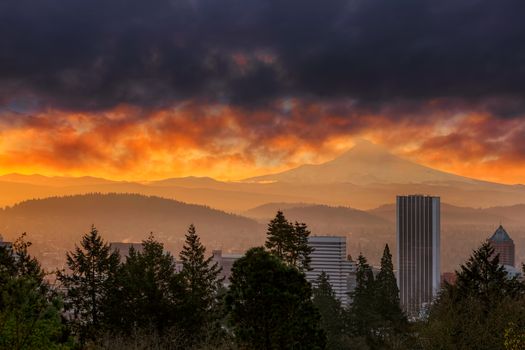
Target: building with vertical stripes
<point>418,251</point>
<point>503,246</point>
<point>329,255</point>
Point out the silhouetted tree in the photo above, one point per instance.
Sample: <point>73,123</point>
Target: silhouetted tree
<point>392,322</point>
<point>149,291</point>
<point>270,305</point>
<point>300,250</point>
<point>484,278</point>
<point>89,283</point>
<point>289,242</point>
<point>29,309</point>
<point>363,317</point>
<point>387,293</point>
<point>331,311</point>
<point>201,282</point>
<point>476,311</point>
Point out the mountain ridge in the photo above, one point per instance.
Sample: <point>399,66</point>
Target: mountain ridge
<point>368,182</point>
<point>364,164</point>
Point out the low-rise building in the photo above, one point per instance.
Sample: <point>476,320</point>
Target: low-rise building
<point>225,262</point>
<point>329,255</point>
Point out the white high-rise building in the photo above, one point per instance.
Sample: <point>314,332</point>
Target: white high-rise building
<point>418,251</point>
<point>329,255</point>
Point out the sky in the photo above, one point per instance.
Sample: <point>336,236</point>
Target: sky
<point>138,90</point>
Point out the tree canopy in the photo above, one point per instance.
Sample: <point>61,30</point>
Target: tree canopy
<point>270,306</point>
<point>289,241</point>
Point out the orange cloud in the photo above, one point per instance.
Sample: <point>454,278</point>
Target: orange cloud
<point>232,143</point>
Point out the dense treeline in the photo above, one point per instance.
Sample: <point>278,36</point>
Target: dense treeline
<point>145,301</point>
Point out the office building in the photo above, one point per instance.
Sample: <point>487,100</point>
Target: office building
<point>418,251</point>
<point>329,255</point>
<point>504,246</point>
<point>225,262</point>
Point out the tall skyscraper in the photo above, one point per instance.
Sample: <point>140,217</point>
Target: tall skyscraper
<point>329,255</point>
<point>418,251</point>
<point>504,246</point>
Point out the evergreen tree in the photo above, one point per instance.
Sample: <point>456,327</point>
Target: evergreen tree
<point>363,316</point>
<point>89,283</point>
<point>331,311</point>
<point>17,261</point>
<point>300,250</point>
<point>279,236</point>
<point>29,310</point>
<point>200,278</point>
<point>289,242</point>
<point>149,291</point>
<point>387,293</point>
<point>392,326</point>
<point>483,277</point>
<point>270,306</point>
<point>476,311</point>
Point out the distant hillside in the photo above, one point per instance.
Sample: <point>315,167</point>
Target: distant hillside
<point>57,181</point>
<point>364,177</point>
<point>453,215</point>
<point>60,221</point>
<point>513,213</point>
<point>267,211</point>
<point>321,219</point>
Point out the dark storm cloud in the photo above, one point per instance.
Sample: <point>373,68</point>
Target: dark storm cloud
<point>95,54</point>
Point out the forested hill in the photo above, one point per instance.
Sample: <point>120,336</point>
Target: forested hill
<point>129,217</point>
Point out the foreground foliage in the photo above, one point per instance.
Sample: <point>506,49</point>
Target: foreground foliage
<point>30,315</point>
<point>270,305</point>
<point>146,301</point>
<point>485,309</point>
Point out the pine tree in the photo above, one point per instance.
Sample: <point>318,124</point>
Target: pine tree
<point>387,292</point>
<point>89,282</point>
<point>331,311</point>
<point>279,236</point>
<point>391,321</point>
<point>484,278</point>
<point>149,292</point>
<point>475,312</point>
<point>300,250</point>
<point>363,317</point>
<point>200,278</point>
<point>289,242</point>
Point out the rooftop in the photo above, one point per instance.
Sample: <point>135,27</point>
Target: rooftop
<point>500,235</point>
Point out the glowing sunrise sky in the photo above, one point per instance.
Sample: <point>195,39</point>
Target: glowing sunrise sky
<point>138,90</point>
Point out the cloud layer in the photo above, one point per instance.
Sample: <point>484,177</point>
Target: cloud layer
<point>143,89</point>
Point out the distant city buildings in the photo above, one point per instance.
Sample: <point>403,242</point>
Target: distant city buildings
<point>4,243</point>
<point>225,262</point>
<point>504,246</point>
<point>123,248</point>
<point>329,255</point>
<point>418,251</point>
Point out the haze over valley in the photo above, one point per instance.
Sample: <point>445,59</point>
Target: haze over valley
<point>353,196</point>
<point>365,177</point>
